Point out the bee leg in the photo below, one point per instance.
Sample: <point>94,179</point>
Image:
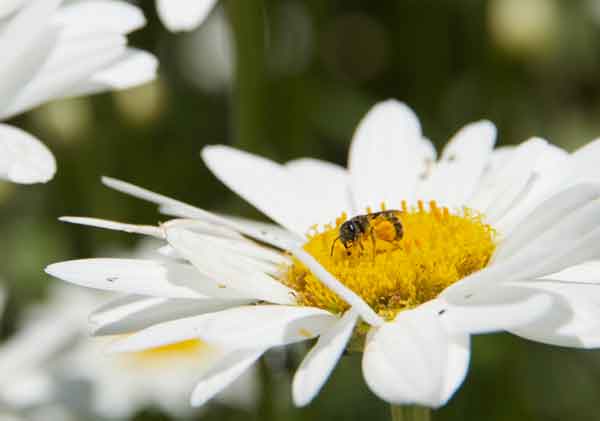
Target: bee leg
<point>372,235</point>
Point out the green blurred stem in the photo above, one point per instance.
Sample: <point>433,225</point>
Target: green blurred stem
<point>410,413</point>
<point>249,113</point>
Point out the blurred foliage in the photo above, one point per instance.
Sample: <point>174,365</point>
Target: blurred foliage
<point>532,67</point>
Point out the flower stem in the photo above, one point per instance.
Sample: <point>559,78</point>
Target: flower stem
<point>410,413</point>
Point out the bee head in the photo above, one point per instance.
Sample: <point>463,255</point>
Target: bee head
<point>349,232</point>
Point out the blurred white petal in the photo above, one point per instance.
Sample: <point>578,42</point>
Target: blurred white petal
<point>183,15</point>
<point>23,158</point>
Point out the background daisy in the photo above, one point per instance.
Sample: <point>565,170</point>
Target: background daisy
<point>53,51</point>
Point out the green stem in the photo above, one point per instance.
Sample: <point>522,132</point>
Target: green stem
<point>249,113</point>
<point>410,413</point>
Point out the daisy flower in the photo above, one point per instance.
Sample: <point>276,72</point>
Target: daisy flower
<point>183,15</point>
<point>35,377</point>
<point>53,51</point>
<point>28,380</point>
<point>401,256</point>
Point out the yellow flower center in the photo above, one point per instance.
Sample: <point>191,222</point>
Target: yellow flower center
<point>393,271</point>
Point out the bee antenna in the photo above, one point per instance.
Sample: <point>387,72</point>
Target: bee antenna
<point>332,246</point>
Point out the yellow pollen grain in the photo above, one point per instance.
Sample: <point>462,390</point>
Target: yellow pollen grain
<point>438,248</point>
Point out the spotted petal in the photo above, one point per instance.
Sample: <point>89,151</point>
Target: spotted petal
<point>142,277</point>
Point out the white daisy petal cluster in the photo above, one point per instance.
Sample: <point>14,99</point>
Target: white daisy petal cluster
<point>494,239</point>
<point>54,50</point>
<point>34,378</point>
<point>121,385</point>
<point>183,15</point>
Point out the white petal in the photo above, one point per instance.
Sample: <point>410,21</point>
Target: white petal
<point>321,360</point>
<point>227,240</point>
<point>387,156</point>
<point>585,160</point>
<point>23,158</point>
<point>457,364</point>
<point>234,271</point>
<point>19,72</point>
<point>553,171</point>
<point>325,183</point>
<point>355,301</point>
<point>462,164</point>
<point>267,237</point>
<point>68,65</point>
<point>112,225</point>
<point>498,308</point>
<point>260,326</point>
<point>586,273</point>
<point>484,192</point>
<point>134,68</point>
<point>223,374</point>
<point>105,15</point>
<point>516,175</point>
<point>26,41</point>
<point>143,277</point>
<point>199,226</point>
<point>266,227</point>
<point>266,326</point>
<point>534,263</point>
<point>554,218</point>
<point>573,320</point>
<point>297,196</point>
<point>183,15</point>
<point>10,6</point>
<point>413,360</point>
<point>133,313</point>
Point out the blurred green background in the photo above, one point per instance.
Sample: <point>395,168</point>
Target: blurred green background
<point>291,78</point>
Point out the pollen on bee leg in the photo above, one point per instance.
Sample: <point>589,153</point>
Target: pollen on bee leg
<point>385,230</point>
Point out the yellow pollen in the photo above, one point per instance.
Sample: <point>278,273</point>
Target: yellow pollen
<point>163,354</point>
<point>437,248</point>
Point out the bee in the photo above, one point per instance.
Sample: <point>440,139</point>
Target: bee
<point>353,230</point>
